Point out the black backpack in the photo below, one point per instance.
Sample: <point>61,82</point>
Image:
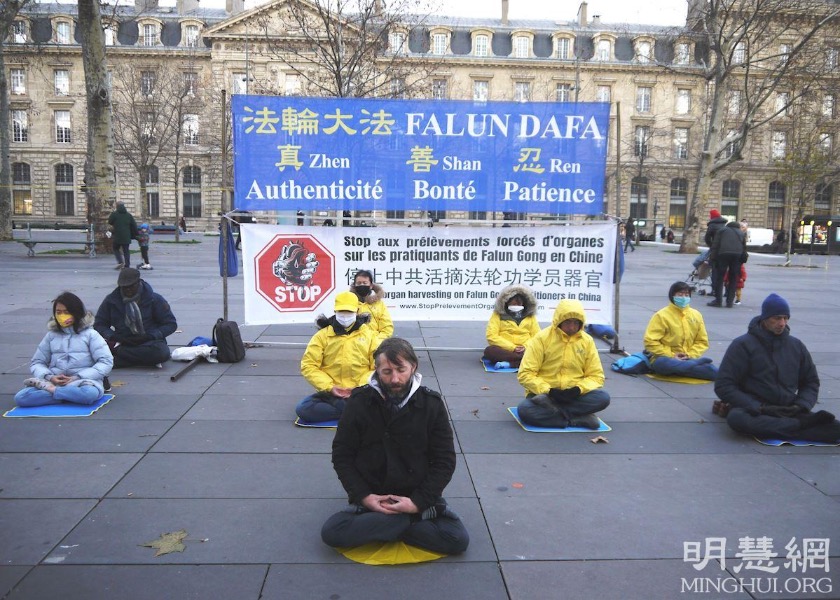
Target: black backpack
<point>228,341</point>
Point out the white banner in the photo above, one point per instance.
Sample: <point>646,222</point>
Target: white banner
<point>293,273</point>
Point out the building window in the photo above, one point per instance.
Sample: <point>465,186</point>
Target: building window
<point>62,32</point>
<point>739,54</point>
<point>828,106</point>
<point>603,51</point>
<point>440,41</point>
<point>734,103</point>
<point>784,54</point>
<point>291,84</point>
<point>683,102</point>
<point>190,83</point>
<point>62,127</point>
<point>192,192</point>
<point>19,32</point>
<point>778,145</point>
<point>776,205</point>
<point>643,99</point>
<point>21,189</point>
<point>563,92</point>
<point>822,199</point>
<point>678,203</point>
<point>641,139</point>
<point>439,89</point>
<point>153,191</point>
<point>732,146</point>
<point>603,93</point>
<point>522,91</point>
<point>20,126</point>
<point>397,87</point>
<point>148,79</point>
<point>831,56</point>
<point>395,214</point>
<point>681,143</point>
<point>191,130</point>
<point>638,198</point>
<point>18,81</point>
<point>521,46</point>
<point>643,52</point>
<point>239,83</point>
<point>147,128</point>
<point>730,197</point>
<point>482,43</point>
<point>64,192</point>
<point>826,143</point>
<point>782,103</point>
<point>149,35</point>
<point>191,36</point>
<point>481,91</point>
<point>110,38</point>
<point>682,54</point>
<point>563,48</point>
<point>396,42</point>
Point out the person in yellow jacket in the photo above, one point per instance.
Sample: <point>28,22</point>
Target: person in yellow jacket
<point>371,296</point>
<point>338,358</point>
<point>562,373</point>
<point>513,322</point>
<point>675,338</point>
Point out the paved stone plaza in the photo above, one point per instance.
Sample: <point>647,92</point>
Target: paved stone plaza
<point>550,515</point>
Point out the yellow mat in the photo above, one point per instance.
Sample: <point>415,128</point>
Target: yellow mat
<point>388,553</point>
<point>678,379</point>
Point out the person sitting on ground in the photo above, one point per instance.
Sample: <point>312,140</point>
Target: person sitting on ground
<point>770,382</point>
<point>394,454</point>
<point>675,338</point>
<point>72,360</point>
<point>135,321</point>
<point>562,373</point>
<point>338,358</point>
<point>512,324</point>
<point>371,296</point>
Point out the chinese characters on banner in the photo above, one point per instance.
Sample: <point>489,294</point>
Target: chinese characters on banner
<point>292,274</point>
<point>293,153</point>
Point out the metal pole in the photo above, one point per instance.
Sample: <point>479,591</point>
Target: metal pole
<point>223,225</point>
<point>616,347</point>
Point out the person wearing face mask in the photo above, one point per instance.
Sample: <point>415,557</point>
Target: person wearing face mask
<point>512,324</point>
<point>135,321</point>
<point>562,373</point>
<point>338,358</point>
<point>71,361</point>
<point>371,296</point>
<point>675,338</point>
<point>394,454</point>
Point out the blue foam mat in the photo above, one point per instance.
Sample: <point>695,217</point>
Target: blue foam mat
<point>318,425</point>
<point>65,409</point>
<point>771,442</point>
<point>515,412</point>
<point>490,367</point>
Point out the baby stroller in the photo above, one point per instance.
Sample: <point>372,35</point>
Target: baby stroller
<point>700,279</point>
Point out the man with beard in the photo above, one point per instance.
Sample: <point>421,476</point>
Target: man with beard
<point>394,454</point>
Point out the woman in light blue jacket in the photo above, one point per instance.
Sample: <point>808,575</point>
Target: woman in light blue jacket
<point>70,362</point>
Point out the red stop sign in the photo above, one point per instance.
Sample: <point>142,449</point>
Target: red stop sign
<point>294,272</point>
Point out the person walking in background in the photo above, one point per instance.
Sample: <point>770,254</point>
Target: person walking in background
<point>629,235</point>
<point>729,251</point>
<point>123,229</point>
<point>144,232</point>
<point>182,224</point>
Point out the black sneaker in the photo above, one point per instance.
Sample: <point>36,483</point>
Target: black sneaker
<point>587,421</point>
<point>106,383</point>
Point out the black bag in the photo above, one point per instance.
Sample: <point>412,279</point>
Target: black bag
<point>228,341</point>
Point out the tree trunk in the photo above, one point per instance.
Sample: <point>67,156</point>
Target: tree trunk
<point>99,163</point>
<point>5,161</point>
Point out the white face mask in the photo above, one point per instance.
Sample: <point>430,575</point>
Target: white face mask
<point>516,309</point>
<point>345,320</point>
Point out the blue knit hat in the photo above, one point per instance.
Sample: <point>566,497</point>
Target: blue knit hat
<point>773,306</point>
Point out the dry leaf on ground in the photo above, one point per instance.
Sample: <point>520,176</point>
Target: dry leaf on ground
<point>168,542</point>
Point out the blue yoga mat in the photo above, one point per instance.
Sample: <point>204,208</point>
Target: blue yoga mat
<point>515,412</point>
<point>319,424</point>
<point>490,367</point>
<point>770,442</point>
<point>65,409</point>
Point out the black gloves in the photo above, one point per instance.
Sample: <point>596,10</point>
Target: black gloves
<point>566,395</point>
<point>781,411</point>
<point>136,340</point>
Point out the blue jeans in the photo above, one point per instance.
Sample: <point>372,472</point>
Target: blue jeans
<point>316,408</point>
<point>701,258</point>
<point>77,394</point>
<point>558,414</point>
<point>699,368</point>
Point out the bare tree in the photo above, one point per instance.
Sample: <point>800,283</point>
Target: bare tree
<point>755,48</point>
<point>9,10</point>
<point>99,164</point>
<point>347,48</point>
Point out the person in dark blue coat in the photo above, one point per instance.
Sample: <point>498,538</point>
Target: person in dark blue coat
<point>769,380</point>
<point>135,322</point>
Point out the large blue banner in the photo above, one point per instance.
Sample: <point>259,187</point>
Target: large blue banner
<point>295,153</point>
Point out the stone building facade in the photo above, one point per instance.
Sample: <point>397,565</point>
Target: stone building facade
<point>651,75</point>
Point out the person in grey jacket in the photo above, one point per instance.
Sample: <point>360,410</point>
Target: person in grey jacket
<point>770,382</point>
<point>71,361</point>
<point>729,252</point>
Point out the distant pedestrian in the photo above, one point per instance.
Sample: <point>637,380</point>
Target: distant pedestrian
<point>182,224</point>
<point>670,236</point>
<point>144,232</point>
<point>629,235</point>
<point>123,229</point>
